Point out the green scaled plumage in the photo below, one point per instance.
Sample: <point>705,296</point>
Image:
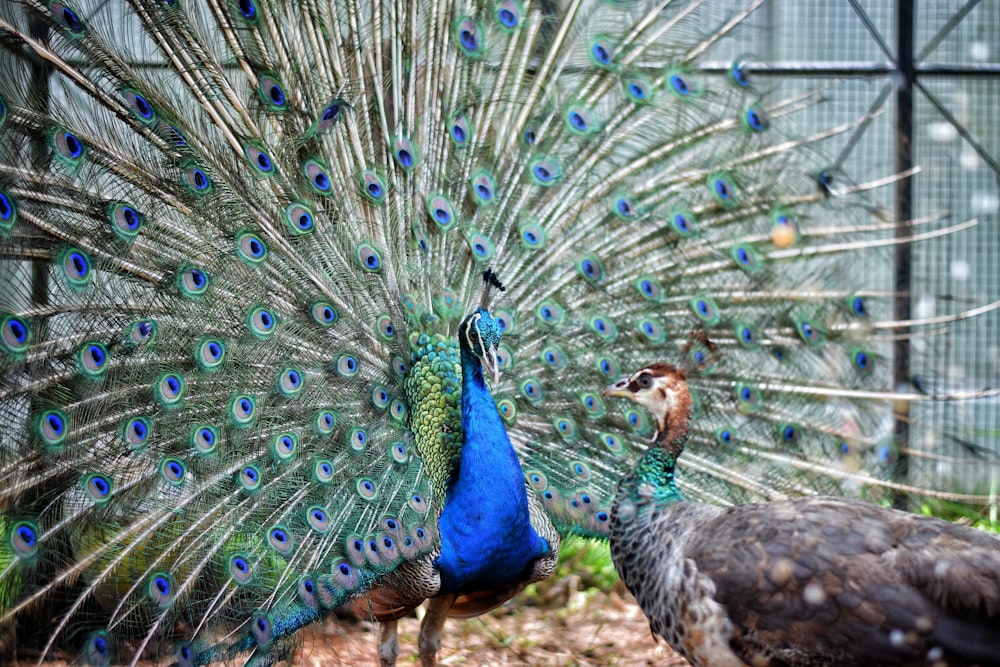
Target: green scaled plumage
<point>233,235</point>
<point>434,388</point>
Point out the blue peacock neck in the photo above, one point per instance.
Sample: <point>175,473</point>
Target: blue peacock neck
<point>487,540</point>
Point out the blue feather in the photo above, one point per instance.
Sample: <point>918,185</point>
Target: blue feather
<point>493,544</point>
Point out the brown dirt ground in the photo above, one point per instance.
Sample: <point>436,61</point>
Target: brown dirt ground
<point>592,629</point>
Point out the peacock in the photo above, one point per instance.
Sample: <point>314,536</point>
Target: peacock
<point>801,582</point>
<point>242,250</point>
<point>485,556</point>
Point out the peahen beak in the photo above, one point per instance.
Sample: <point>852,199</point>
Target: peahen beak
<point>619,388</point>
<point>491,364</point>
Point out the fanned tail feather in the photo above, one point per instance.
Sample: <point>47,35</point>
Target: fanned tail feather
<point>227,228</point>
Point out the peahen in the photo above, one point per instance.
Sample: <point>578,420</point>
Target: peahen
<point>237,243</point>
<point>800,582</point>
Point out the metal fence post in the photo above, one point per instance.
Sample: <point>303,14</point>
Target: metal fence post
<point>902,307</point>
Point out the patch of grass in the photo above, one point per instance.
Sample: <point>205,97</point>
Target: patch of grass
<point>985,518</point>
<point>591,560</point>
<point>584,567</point>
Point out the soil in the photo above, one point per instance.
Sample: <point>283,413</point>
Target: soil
<point>589,628</point>
<point>593,628</point>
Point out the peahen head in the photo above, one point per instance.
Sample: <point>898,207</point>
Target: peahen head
<point>480,334</point>
<point>663,390</point>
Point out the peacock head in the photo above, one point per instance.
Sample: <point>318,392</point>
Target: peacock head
<point>663,390</point>
<point>480,334</point>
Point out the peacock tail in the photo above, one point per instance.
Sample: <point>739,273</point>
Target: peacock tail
<point>237,239</point>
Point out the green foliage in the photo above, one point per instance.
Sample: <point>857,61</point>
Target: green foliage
<point>985,518</point>
<point>584,566</point>
<point>590,560</point>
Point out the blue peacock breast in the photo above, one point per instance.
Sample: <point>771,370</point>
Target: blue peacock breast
<point>487,540</point>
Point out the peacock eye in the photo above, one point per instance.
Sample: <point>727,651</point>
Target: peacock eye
<point>645,381</point>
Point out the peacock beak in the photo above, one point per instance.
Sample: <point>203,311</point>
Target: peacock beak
<point>619,388</point>
<point>492,365</point>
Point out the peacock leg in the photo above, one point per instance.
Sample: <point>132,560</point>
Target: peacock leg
<point>388,644</point>
<point>431,628</point>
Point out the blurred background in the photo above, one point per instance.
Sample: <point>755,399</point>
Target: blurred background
<point>927,74</point>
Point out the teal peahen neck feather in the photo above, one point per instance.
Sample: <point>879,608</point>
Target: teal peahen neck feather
<point>663,390</point>
<point>237,241</point>
<point>487,540</point>
<point>653,477</point>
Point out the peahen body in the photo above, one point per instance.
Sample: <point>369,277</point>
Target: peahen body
<point>800,582</point>
<point>237,243</point>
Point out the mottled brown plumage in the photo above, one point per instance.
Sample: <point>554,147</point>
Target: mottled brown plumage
<point>808,582</point>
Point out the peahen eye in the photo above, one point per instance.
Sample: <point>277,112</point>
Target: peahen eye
<point>645,380</point>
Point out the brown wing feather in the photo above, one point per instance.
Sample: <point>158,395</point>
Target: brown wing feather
<point>955,566</point>
<point>852,581</point>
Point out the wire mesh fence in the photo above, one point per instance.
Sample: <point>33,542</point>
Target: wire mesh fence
<point>952,70</point>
